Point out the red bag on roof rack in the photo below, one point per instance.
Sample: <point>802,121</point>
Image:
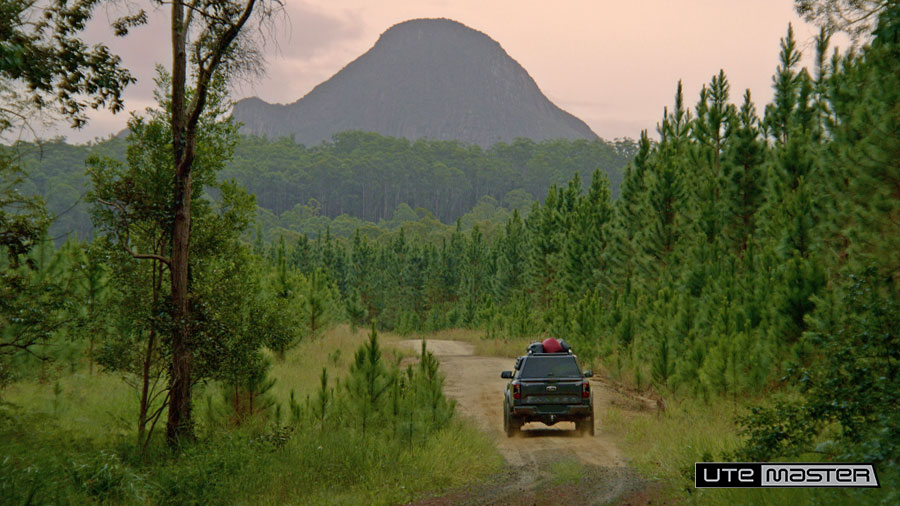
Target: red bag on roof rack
<point>551,345</point>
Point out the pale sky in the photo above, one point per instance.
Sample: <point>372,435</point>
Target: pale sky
<point>614,64</point>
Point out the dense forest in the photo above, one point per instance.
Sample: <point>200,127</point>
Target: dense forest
<point>746,258</point>
<point>360,178</point>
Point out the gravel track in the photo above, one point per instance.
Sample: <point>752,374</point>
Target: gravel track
<point>474,382</point>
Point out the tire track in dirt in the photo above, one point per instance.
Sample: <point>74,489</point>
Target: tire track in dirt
<point>474,382</point>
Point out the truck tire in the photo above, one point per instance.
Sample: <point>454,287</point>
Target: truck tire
<point>585,426</point>
<point>511,424</point>
<point>505,418</point>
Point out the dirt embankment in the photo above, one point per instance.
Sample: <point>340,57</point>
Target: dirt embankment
<point>474,382</point>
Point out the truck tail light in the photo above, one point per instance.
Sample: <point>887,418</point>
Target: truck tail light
<point>585,389</point>
<point>517,391</point>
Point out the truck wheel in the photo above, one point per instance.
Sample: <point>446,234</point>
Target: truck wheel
<point>585,425</point>
<point>511,425</point>
<point>505,418</point>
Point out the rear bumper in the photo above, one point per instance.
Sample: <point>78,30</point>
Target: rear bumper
<point>549,414</point>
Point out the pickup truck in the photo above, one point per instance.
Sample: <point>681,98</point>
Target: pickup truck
<point>549,388</point>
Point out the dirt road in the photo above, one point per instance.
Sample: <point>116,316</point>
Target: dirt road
<point>475,383</point>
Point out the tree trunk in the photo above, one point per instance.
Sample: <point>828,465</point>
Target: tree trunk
<point>179,426</point>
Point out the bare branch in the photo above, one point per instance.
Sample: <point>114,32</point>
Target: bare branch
<point>192,8</point>
<point>221,45</point>
<point>146,256</point>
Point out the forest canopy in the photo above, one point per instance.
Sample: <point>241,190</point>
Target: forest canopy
<point>358,176</point>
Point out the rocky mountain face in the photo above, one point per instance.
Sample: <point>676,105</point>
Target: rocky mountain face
<point>424,78</point>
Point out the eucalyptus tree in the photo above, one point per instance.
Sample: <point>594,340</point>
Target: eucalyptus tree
<point>212,33</point>
<point>131,210</point>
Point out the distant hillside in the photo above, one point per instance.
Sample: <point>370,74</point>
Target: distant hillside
<point>361,175</point>
<point>424,78</point>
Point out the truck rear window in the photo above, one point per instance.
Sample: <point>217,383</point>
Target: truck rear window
<point>563,366</point>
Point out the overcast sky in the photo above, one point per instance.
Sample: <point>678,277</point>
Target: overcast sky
<point>613,64</point>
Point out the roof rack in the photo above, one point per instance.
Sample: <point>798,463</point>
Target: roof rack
<point>532,348</point>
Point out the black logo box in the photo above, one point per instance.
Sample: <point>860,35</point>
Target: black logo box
<point>750,475</point>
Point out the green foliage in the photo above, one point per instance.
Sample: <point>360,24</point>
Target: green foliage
<point>845,363</point>
<point>376,185</point>
<point>376,178</point>
<point>37,311</point>
<point>429,384</point>
<point>854,383</point>
<point>745,177</point>
<point>42,48</point>
<point>23,219</point>
<point>92,285</point>
<point>235,312</point>
<point>319,299</point>
<point>247,396</point>
<point>662,364</point>
<point>367,383</point>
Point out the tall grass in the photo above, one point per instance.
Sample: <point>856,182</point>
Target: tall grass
<point>72,441</point>
<point>665,446</point>
<point>347,467</point>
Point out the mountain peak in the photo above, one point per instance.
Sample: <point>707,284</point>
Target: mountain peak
<point>423,78</point>
<point>432,27</point>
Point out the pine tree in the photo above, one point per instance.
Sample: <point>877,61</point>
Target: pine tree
<point>367,382</point>
<point>629,218</point>
<point>511,257</point>
<point>779,114</point>
<point>793,187</point>
<point>665,194</point>
<point>545,226</point>
<point>361,273</point>
<point>662,364</point>
<point>745,177</point>
<point>93,286</point>
<point>586,242</point>
<point>356,310</point>
<point>474,275</point>
<point>711,130</point>
<point>302,256</point>
<point>323,400</point>
<point>862,171</point>
<point>430,387</point>
<point>318,298</point>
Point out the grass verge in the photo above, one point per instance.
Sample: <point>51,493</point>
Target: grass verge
<point>72,441</point>
<point>664,447</point>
